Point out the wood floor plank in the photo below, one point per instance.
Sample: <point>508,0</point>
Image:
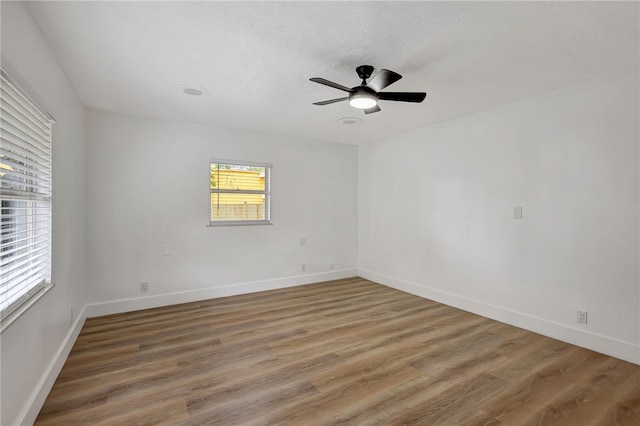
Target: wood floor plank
<point>528,395</point>
<point>624,408</point>
<point>68,396</point>
<point>346,393</point>
<point>341,352</point>
<point>580,403</point>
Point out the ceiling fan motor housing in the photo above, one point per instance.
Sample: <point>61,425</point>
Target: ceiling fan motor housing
<point>361,90</point>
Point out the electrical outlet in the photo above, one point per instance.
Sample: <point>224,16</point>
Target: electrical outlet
<point>582,317</point>
<point>332,265</point>
<point>144,287</point>
<point>303,241</point>
<point>303,267</point>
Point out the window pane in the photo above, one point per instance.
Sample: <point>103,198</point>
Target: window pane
<point>237,207</point>
<point>25,197</point>
<point>237,177</point>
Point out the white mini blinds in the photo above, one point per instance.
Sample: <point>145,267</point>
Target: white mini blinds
<point>25,195</point>
<point>240,193</point>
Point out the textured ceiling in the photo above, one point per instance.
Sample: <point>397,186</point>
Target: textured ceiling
<point>256,57</point>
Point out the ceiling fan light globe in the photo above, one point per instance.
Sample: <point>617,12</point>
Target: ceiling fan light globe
<point>362,100</point>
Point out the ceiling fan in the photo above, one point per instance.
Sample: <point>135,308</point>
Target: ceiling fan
<point>367,95</point>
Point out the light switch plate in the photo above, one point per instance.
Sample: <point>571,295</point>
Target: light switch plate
<point>517,212</point>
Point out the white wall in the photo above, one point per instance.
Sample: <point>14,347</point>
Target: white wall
<point>148,186</point>
<point>30,344</point>
<point>435,213</point>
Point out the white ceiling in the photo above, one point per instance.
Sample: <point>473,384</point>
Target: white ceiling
<point>257,57</point>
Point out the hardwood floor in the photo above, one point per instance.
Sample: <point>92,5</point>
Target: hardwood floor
<point>341,352</point>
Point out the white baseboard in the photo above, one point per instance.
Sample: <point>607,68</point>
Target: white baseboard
<point>32,407</point>
<point>135,304</point>
<point>626,351</point>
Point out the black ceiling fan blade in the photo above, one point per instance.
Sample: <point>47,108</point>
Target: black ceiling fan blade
<point>402,96</point>
<point>371,110</point>
<point>330,84</point>
<point>331,101</point>
<point>383,79</point>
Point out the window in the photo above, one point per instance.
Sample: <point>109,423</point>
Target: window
<point>25,197</point>
<point>240,193</point>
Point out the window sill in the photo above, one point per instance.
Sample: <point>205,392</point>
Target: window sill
<point>239,223</point>
<point>10,319</point>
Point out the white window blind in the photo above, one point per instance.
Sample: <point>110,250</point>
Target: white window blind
<point>25,195</point>
<point>240,193</point>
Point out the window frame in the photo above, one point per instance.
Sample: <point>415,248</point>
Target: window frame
<point>267,193</point>
<point>22,164</point>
